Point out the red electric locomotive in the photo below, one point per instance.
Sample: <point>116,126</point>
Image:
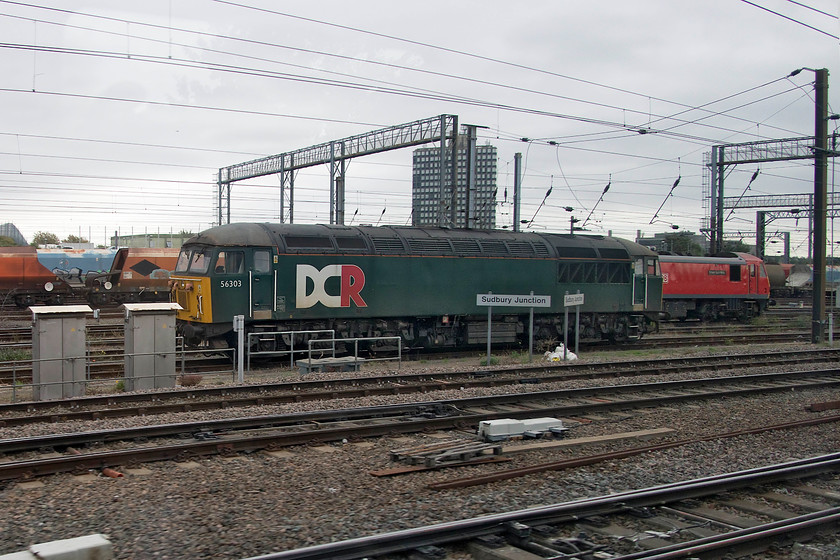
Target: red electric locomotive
<point>731,285</point>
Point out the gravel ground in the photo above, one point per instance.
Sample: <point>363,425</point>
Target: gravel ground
<point>255,504</point>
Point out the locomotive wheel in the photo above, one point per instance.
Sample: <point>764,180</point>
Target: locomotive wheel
<point>545,344</point>
<point>620,332</point>
<point>707,313</point>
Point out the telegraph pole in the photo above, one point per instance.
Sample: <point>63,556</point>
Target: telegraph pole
<point>820,201</point>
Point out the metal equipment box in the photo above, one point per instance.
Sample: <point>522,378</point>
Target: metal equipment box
<point>503,428</point>
<point>149,345</point>
<point>58,351</point>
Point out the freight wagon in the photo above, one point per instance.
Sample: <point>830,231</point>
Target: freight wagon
<point>137,275</point>
<point>30,276</point>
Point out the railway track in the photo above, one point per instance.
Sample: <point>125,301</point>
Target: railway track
<point>105,350</point>
<point>214,398</point>
<point>248,434</point>
<point>725,516</point>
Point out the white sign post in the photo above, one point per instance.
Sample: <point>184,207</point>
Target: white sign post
<point>571,300</point>
<point>490,299</point>
<point>239,328</point>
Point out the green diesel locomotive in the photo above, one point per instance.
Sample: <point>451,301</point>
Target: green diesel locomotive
<point>420,284</point>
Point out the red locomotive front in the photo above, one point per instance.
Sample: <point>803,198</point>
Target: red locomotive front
<point>734,285</point>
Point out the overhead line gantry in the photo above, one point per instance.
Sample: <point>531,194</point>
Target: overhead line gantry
<point>336,153</point>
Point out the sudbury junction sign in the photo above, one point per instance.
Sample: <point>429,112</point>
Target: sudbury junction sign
<point>531,300</point>
<point>491,300</point>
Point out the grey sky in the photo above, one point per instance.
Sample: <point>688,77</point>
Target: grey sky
<point>127,123</point>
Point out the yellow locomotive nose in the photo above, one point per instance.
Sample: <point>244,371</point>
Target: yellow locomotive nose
<point>193,295</point>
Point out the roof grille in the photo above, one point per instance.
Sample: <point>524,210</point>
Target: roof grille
<point>429,246</point>
<point>387,245</point>
<point>542,250</point>
<point>494,248</point>
<point>521,249</point>
<point>466,247</point>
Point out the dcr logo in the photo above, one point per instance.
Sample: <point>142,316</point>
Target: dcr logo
<point>352,282</point>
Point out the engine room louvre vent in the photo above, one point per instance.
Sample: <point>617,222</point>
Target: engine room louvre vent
<point>521,249</point>
<point>350,243</point>
<point>466,247</point>
<point>576,252</point>
<point>422,246</point>
<point>607,253</point>
<point>494,248</point>
<point>387,245</point>
<point>307,242</point>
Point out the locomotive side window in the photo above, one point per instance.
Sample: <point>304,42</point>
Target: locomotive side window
<point>262,261</point>
<point>735,273</point>
<point>230,262</point>
<point>593,273</point>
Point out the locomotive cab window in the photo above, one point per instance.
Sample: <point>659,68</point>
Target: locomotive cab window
<point>199,261</point>
<point>183,263</point>
<point>735,273</point>
<point>230,262</point>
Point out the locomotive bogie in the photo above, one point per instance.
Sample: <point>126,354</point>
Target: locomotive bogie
<point>417,284</point>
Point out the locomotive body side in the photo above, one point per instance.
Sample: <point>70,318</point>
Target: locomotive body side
<point>419,284</point>
<point>714,288</point>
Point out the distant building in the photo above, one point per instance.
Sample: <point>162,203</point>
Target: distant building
<point>9,230</point>
<point>660,241</point>
<point>151,240</point>
<point>426,204</point>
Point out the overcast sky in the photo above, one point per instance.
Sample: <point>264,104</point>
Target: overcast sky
<point>117,115</point>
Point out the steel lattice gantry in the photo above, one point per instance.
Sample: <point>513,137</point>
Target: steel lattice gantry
<point>336,153</point>
<point>748,152</point>
<point>793,206</point>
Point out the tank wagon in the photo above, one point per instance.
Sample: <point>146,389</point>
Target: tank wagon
<point>137,275</point>
<point>30,276</point>
<point>416,283</point>
<point>790,280</point>
<point>25,281</point>
<point>730,285</point>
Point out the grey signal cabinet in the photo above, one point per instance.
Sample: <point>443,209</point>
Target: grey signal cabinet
<point>149,345</point>
<point>58,351</point>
